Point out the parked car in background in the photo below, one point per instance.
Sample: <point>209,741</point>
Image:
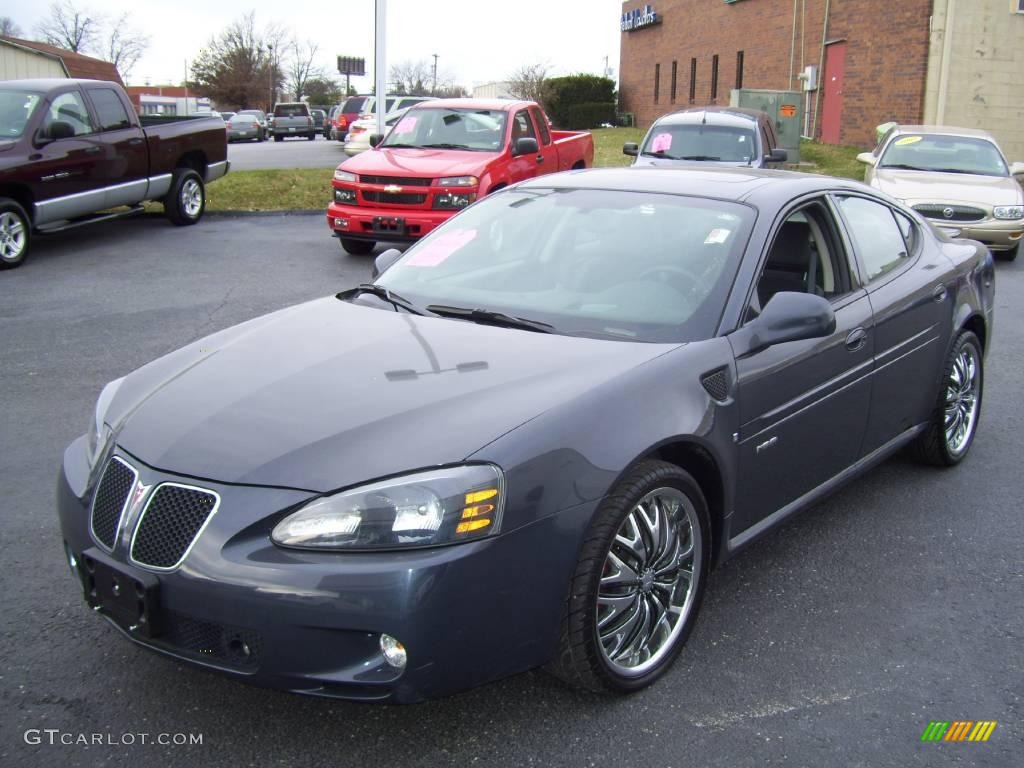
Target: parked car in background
<point>261,116</point>
<point>360,107</point>
<point>713,135</point>
<point>531,439</point>
<point>319,116</point>
<point>72,148</point>
<point>359,133</point>
<point>329,121</point>
<point>438,159</point>
<point>245,128</point>
<point>227,116</point>
<point>958,178</point>
<point>292,119</point>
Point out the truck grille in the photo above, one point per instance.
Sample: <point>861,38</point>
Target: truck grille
<point>957,212</point>
<point>173,518</point>
<point>402,181</point>
<point>109,502</point>
<point>400,198</point>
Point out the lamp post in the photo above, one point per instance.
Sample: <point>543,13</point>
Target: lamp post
<point>270,77</point>
<point>380,64</point>
<point>433,90</point>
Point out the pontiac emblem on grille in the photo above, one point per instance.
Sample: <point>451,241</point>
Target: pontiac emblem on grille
<point>947,212</point>
<point>139,495</point>
<point>392,189</point>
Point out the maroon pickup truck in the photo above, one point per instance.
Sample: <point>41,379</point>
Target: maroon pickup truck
<point>74,152</point>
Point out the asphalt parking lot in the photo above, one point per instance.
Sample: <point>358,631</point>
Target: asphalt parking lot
<point>290,153</point>
<point>833,642</point>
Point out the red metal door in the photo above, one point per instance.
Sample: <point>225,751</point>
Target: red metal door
<point>832,108</point>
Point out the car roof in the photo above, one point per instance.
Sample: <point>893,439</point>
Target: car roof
<point>944,130</point>
<point>714,115</point>
<point>737,184</point>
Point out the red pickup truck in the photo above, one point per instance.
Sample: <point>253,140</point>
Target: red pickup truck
<point>75,151</point>
<point>438,159</point>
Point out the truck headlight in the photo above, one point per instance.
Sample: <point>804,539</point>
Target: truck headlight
<point>458,181</point>
<point>1008,212</point>
<point>453,201</point>
<point>99,433</point>
<point>340,175</point>
<point>442,506</point>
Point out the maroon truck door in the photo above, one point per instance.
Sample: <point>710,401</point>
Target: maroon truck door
<point>832,108</point>
<point>125,165</point>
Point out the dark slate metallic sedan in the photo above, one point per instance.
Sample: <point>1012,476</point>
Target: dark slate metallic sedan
<point>530,439</point>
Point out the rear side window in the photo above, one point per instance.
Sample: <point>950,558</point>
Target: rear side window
<point>876,236</point>
<point>542,125</point>
<point>354,104</point>
<point>109,109</point>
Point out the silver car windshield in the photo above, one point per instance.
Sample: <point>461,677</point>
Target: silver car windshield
<point>16,108</point>
<point>944,154</point>
<point>610,264</point>
<point>724,143</point>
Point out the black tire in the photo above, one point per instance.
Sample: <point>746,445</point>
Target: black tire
<point>1009,255</point>
<point>357,247</point>
<point>311,137</point>
<point>933,446</point>
<point>15,234</point>
<point>278,138</point>
<point>581,659</point>
<point>186,201</point>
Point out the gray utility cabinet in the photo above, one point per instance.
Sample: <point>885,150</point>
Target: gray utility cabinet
<point>786,109</point>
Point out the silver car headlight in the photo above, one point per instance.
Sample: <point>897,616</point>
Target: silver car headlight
<point>99,433</point>
<point>425,509</point>
<point>1008,212</point>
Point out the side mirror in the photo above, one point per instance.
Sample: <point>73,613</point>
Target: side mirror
<point>384,262</point>
<point>376,138</point>
<point>788,316</point>
<point>525,146</point>
<point>867,157</point>
<point>56,130</point>
<point>1017,169</point>
<point>777,156</point>
<point>630,148</point>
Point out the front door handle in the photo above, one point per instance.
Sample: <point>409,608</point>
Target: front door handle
<point>856,340</point>
<point>540,159</point>
<point>939,294</point>
<point>92,150</point>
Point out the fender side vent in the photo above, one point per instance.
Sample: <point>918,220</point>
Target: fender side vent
<point>717,384</point>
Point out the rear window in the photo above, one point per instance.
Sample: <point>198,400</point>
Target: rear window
<point>291,110</point>
<point>244,120</point>
<point>353,104</point>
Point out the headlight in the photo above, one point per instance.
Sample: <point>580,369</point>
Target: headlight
<point>340,175</point>
<point>1009,212</point>
<point>458,181</point>
<point>453,201</point>
<point>99,434</point>
<point>443,506</point>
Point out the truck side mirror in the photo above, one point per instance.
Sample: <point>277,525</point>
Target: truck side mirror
<point>778,156</point>
<point>376,138</point>
<point>527,145</point>
<point>55,131</point>
<point>631,148</point>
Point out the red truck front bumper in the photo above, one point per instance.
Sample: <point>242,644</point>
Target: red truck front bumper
<point>383,224</point>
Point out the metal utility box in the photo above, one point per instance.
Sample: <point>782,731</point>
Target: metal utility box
<point>786,109</point>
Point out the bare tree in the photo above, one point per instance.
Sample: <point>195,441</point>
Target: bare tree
<point>301,67</point>
<point>8,28</point>
<point>529,82</point>
<point>240,67</point>
<point>123,46</point>
<point>69,27</point>
<point>411,78</point>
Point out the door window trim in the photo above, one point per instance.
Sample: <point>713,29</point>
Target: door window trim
<point>885,277</point>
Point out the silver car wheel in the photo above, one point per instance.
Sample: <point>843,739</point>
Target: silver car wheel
<point>12,237</point>
<point>191,197</point>
<point>961,407</point>
<point>647,584</point>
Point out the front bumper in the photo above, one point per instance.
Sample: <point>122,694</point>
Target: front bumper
<point>360,222</point>
<point>997,234</point>
<point>310,622</point>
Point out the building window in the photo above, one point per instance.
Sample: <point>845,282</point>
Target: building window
<point>693,80</point>
<point>674,67</point>
<point>657,81</point>
<point>714,77</point>
<point>739,69</point>
<point>1020,6</point>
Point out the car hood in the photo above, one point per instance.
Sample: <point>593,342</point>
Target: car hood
<point>968,189</point>
<point>423,163</point>
<point>329,394</point>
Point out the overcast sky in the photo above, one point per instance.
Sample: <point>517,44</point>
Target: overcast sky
<point>477,41</point>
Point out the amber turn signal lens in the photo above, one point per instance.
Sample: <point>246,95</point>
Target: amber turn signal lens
<point>484,495</point>
<point>472,525</point>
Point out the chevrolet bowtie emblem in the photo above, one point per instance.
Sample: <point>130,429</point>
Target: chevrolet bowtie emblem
<point>392,189</point>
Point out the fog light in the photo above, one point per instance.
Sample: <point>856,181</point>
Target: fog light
<point>394,651</point>
<point>72,561</point>
<point>341,223</point>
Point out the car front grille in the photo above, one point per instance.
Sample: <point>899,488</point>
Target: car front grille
<point>171,521</point>
<point>950,212</point>
<point>402,181</point>
<point>211,642</point>
<point>109,502</point>
<point>401,198</point>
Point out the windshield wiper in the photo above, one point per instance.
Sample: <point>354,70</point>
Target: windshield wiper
<point>698,157</point>
<point>400,146</point>
<point>904,167</point>
<point>959,170</point>
<point>490,317</point>
<point>398,302</point>
<point>446,146</point>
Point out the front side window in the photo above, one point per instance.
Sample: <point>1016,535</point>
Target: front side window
<point>700,142</point>
<point>68,108</point>
<point>522,127</point>
<point>876,236</point>
<point>628,266</point>
<point>109,109</point>
<point>16,109</point>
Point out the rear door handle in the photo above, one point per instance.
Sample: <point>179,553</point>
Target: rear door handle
<point>856,340</point>
<point>135,142</point>
<point>92,150</point>
<point>939,294</point>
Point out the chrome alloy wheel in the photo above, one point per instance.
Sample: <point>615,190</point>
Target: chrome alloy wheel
<point>12,237</point>
<point>191,197</point>
<point>647,584</point>
<point>962,390</point>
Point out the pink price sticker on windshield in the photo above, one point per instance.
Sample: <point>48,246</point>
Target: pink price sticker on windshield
<point>662,142</point>
<point>440,248</point>
<point>406,125</point>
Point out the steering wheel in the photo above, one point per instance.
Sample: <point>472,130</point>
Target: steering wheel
<point>693,280</point>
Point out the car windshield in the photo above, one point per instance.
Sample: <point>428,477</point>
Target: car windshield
<point>723,143</point>
<point>481,130</point>
<point>16,108</point>
<point>632,266</point>
<point>943,153</point>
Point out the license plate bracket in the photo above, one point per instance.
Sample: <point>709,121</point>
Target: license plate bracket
<point>388,225</point>
<point>129,596</point>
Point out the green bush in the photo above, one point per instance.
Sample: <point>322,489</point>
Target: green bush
<point>588,115</point>
<point>580,101</point>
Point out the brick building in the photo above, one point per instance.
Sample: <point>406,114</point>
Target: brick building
<point>875,61</point>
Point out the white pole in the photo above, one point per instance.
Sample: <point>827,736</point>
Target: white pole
<point>380,65</point>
